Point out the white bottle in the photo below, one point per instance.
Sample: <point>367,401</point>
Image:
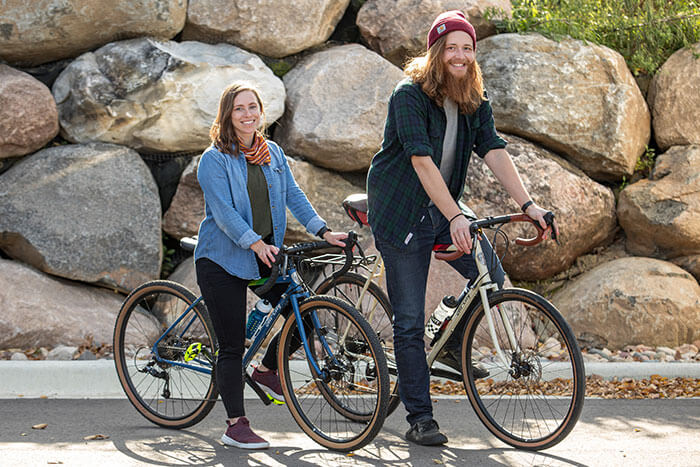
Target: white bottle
<point>444,310</point>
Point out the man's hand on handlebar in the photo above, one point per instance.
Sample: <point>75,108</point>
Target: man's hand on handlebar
<point>545,221</point>
<point>265,252</point>
<point>335,238</point>
<point>459,231</point>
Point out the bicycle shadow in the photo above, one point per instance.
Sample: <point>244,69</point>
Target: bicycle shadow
<point>186,447</point>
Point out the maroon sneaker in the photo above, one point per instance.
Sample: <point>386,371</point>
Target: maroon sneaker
<point>269,381</point>
<point>240,435</point>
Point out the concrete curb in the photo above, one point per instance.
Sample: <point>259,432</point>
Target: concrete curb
<point>98,379</point>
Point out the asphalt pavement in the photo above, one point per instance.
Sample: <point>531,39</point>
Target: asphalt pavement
<point>610,432</point>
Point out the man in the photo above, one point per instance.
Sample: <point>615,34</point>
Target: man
<point>436,118</point>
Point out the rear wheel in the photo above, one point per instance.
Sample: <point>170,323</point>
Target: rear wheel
<point>151,363</point>
<point>373,304</point>
<point>534,395</point>
<point>342,405</point>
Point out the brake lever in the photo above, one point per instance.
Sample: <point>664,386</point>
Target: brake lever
<point>549,220</point>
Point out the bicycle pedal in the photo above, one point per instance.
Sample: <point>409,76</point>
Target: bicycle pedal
<point>193,351</point>
<point>273,400</point>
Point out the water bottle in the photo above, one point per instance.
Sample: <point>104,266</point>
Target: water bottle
<point>444,310</point>
<point>256,316</point>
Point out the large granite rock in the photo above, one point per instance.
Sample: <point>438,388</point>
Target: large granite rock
<point>390,30</point>
<point>575,98</point>
<point>325,190</point>
<point>156,96</point>
<point>674,99</point>
<point>661,215</point>
<point>48,30</point>
<point>633,301</point>
<point>84,212</point>
<point>28,116</point>
<point>335,118</point>
<point>41,311</point>
<point>275,28</point>
<point>585,210</point>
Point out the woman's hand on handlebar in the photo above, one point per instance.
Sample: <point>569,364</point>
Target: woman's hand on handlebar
<point>538,215</point>
<point>335,238</point>
<point>459,231</point>
<point>265,252</point>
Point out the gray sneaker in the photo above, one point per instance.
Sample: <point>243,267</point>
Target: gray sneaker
<point>451,358</point>
<point>426,433</point>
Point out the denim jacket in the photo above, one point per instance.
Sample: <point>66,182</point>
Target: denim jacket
<point>225,234</point>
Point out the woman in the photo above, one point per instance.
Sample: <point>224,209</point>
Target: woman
<point>247,187</point>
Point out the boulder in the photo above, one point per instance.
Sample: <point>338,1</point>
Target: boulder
<point>186,210</point>
<point>324,189</point>
<point>674,99</point>
<point>398,36</point>
<point>326,192</point>
<point>334,118</point>
<point>633,300</point>
<point>575,98</point>
<point>39,310</point>
<point>28,116</point>
<point>54,29</point>
<point>661,215</point>
<point>584,209</point>
<point>84,212</point>
<point>275,28</point>
<point>156,96</point>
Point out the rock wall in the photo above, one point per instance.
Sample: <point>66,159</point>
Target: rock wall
<point>131,81</point>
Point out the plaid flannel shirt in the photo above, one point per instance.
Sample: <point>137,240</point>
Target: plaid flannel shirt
<point>415,126</point>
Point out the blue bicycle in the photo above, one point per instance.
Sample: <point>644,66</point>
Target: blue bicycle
<point>332,366</point>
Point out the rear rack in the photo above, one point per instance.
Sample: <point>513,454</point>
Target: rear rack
<point>339,260</point>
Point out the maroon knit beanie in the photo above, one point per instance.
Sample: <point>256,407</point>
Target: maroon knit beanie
<point>450,21</point>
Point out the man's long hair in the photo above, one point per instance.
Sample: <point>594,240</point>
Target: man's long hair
<point>430,72</point>
<point>222,132</point>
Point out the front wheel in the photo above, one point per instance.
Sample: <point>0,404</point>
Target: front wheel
<point>535,391</point>
<point>341,402</point>
<point>166,374</point>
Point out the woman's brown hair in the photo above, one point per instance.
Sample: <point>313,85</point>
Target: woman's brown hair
<point>222,132</point>
<point>429,71</point>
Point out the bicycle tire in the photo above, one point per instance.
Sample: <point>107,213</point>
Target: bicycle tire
<point>535,401</point>
<point>145,315</point>
<point>348,287</point>
<point>335,391</point>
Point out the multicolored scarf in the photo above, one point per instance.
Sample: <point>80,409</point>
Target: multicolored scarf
<point>258,153</point>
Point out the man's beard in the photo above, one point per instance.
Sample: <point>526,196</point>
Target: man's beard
<point>458,88</point>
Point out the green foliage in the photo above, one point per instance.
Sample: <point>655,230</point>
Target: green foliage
<point>646,161</point>
<point>279,67</point>
<point>645,32</point>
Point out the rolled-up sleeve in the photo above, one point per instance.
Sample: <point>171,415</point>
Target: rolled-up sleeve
<point>410,114</point>
<point>486,136</point>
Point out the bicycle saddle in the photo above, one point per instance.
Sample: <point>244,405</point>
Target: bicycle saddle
<point>356,207</point>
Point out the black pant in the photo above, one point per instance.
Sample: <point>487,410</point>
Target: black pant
<point>225,298</point>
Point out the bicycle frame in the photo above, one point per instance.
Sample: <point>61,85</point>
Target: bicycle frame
<point>293,294</point>
<point>481,287</point>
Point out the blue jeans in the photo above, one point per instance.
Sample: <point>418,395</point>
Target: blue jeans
<point>406,278</point>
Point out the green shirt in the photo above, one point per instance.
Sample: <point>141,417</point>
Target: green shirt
<point>415,126</point>
<point>259,201</point>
